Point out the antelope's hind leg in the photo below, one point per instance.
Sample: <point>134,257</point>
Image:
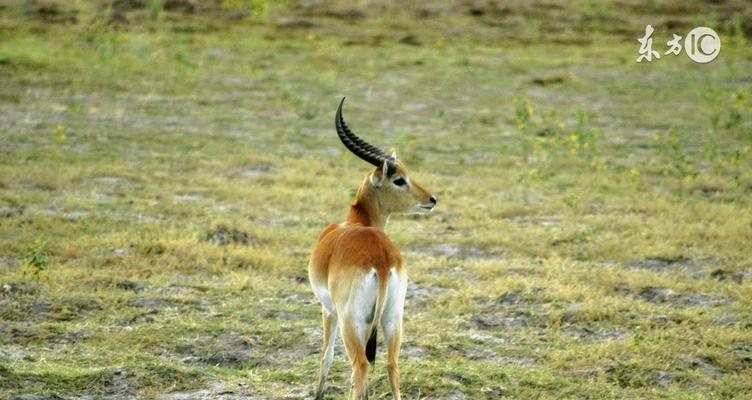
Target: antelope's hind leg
<point>358,316</point>
<point>327,350</point>
<point>391,324</point>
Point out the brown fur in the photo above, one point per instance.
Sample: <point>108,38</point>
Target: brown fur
<point>353,246</point>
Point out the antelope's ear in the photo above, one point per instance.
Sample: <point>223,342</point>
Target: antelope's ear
<point>382,173</point>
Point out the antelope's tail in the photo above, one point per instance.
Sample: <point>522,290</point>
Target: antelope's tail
<point>378,308</point>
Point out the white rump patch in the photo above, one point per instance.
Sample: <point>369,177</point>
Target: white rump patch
<point>360,305</point>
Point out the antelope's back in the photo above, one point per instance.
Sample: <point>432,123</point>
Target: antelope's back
<point>349,248</point>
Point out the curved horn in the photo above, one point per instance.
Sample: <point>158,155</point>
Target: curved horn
<point>356,145</point>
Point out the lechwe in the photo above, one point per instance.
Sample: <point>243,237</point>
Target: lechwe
<point>357,273</point>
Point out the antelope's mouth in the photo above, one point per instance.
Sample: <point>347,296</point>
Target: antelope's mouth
<point>425,208</point>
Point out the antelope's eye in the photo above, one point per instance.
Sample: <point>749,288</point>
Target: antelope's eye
<point>400,181</point>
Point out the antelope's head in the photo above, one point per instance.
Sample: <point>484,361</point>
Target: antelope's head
<point>390,183</point>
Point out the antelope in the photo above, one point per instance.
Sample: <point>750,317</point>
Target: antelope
<point>357,273</point>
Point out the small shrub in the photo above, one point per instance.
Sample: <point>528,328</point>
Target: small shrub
<point>37,262</point>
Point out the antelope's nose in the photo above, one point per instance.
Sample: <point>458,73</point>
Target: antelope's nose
<point>433,200</point>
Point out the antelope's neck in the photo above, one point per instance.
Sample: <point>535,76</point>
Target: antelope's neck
<point>366,210</point>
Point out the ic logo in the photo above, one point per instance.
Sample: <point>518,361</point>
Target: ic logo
<point>702,45</point>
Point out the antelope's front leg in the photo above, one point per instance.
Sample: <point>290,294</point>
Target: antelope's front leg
<point>391,324</point>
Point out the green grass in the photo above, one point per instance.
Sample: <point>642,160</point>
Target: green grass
<point>591,240</point>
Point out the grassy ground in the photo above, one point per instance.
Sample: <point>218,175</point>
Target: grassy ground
<point>163,178</point>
